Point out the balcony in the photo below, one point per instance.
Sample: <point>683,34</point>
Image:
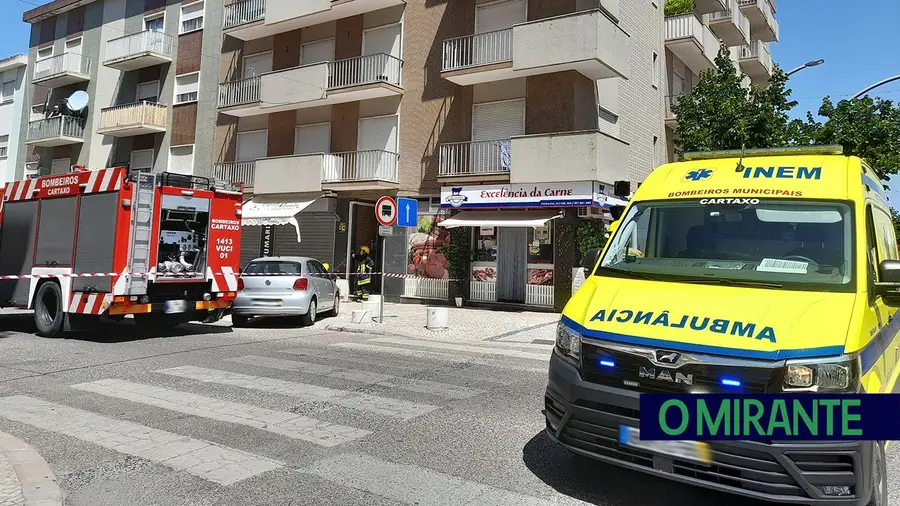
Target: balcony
<point>62,70</point>
<point>588,41</point>
<point>255,19</point>
<point>671,100</point>
<point>475,160</point>
<point>691,41</point>
<point>761,14</point>
<point>587,155</point>
<point>361,170</point>
<point>730,25</point>
<point>709,6</point>
<point>139,50</point>
<point>133,119</point>
<point>235,172</point>
<point>55,131</point>
<point>756,60</point>
<point>327,83</point>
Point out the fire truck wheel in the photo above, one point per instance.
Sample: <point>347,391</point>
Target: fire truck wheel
<point>48,310</point>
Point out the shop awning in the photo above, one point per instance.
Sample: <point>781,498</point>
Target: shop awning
<point>259,214</point>
<point>613,201</point>
<point>536,218</point>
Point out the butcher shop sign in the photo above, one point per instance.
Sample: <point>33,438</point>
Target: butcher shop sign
<point>574,194</point>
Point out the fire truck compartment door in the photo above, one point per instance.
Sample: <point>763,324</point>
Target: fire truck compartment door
<point>258,214</point>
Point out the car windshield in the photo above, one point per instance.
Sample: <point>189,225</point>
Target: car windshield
<point>774,243</point>
<point>273,267</point>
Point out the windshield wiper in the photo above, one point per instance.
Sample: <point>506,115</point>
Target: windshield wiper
<point>630,274</point>
<point>734,282</point>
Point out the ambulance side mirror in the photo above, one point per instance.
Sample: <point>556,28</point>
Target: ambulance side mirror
<point>590,258</point>
<point>889,286</point>
<point>612,227</point>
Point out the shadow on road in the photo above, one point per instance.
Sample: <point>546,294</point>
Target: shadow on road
<point>603,484</point>
<point>108,331</point>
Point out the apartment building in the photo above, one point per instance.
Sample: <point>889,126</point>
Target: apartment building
<point>692,38</point>
<point>12,81</point>
<point>116,82</point>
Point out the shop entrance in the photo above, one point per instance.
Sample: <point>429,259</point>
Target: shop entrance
<point>512,264</point>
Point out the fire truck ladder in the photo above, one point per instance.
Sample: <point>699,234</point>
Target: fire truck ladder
<point>141,227</point>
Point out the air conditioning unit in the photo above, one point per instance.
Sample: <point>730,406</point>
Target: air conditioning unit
<point>589,212</point>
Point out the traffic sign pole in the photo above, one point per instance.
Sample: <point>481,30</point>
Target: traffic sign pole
<point>386,215</point>
<point>381,299</point>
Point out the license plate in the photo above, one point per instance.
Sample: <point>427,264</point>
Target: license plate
<point>267,302</point>
<point>176,306</point>
<point>695,451</point>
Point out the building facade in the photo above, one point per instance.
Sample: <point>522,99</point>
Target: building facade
<point>12,102</point>
<point>516,121</point>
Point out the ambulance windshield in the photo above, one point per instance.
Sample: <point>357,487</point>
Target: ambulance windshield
<point>779,243</point>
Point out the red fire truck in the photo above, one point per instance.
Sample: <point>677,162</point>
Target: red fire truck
<point>92,244</point>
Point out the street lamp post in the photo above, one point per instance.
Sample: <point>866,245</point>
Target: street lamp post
<point>879,83</point>
<point>808,64</point>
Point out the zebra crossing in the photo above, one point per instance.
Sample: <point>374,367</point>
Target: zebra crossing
<point>378,389</point>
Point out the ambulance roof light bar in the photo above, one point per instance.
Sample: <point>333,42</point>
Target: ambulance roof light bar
<point>835,149</point>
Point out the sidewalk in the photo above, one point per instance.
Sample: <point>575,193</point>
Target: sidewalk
<point>466,324</point>
<point>25,477</point>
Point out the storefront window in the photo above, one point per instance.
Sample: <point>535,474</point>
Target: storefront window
<point>427,266</point>
<point>540,255</point>
<point>484,263</point>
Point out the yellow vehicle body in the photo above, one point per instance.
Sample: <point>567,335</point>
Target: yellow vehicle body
<point>738,309</point>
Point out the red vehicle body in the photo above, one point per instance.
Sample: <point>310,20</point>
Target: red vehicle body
<point>105,243</point>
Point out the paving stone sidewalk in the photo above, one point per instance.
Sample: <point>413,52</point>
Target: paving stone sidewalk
<point>466,324</point>
<point>25,477</point>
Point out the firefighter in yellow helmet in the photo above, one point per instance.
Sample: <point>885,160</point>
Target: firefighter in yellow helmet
<point>364,268</point>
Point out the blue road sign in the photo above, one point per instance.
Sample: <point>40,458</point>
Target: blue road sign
<point>407,212</point>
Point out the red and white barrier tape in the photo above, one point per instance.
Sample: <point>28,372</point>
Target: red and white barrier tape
<point>195,274</point>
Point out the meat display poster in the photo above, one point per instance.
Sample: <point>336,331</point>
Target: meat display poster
<point>540,276</point>
<point>425,243</point>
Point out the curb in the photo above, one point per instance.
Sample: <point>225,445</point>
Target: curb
<point>39,487</point>
<point>356,330</point>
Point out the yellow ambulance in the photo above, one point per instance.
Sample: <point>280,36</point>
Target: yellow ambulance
<point>760,271</point>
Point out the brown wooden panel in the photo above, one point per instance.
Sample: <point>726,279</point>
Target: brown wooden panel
<point>76,22</point>
<point>143,142</point>
<point>184,124</point>
<point>47,31</point>
<point>348,37</point>
<point>550,103</point>
<point>542,9</point>
<point>286,50</point>
<point>151,73</point>
<point>62,151</point>
<point>154,6</point>
<point>281,133</point>
<point>190,45</point>
<point>344,126</point>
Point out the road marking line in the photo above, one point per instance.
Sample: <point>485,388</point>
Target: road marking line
<point>411,484</point>
<point>434,355</point>
<point>387,406</point>
<point>511,345</point>
<point>481,350</point>
<point>204,459</point>
<point>283,423</point>
<point>365,377</point>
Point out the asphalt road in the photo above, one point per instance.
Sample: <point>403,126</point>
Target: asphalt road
<point>283,416</point>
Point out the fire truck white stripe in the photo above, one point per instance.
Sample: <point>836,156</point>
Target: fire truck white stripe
<point>118,176</point>
<point>283,423</point>
<point>73,302</point>
<point>89,305</point>
<point>230,278</point>
<point>107,177</point>
<point>210,461</point>
<point>32,186</point>
<point>20,189</point>
<point>211,275</point>
<point>377,404</point>
<point>92,181</point>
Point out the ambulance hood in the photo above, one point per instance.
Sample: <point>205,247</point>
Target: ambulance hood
<point>733,321</point>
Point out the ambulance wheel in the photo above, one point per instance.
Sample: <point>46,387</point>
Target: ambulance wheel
<point>879,477</point>
<point>310,317</point>
<point>239,320</point>
<point>48,310</point>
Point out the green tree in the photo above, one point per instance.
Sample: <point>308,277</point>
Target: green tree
<point>866,127</point>
<point>720,113</point>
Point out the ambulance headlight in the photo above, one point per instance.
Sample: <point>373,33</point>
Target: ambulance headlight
<point>838,374</point>
<point>568,342</point>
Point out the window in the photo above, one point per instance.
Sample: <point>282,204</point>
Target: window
<point>655,70</point>
<point>45,52</point>
<point>155,24</point>
<point>148,91</point>
<point>252,145</point>
<point>273,267</point>
<point>4,145</point>
<point>73,45</point>
<point>192,17</point>
<point>60,165</point>
<point>181,159</point>
<point>37,112</point>
<point>142,160</point>
<point>187,88</point>
<point>9,89</point>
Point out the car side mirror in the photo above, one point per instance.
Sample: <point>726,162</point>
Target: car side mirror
<point>889,286</point>
<point>590,258</point>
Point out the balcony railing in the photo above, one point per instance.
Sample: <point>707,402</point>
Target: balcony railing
<point>242,91</point>
<point>148,41</point>
<point>245,11</point>
<point>57,126</point>
<point>235,172</point>
<point>479,49</point>
<point>62,63</point>
<point>369,165</point>
<point>766,9</point>
<point>760,50</point>
<point>139,113</point>
<point>474,158</point>
<point>683,26</point>
<point>375,68</point>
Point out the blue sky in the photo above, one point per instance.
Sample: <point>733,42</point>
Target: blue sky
<point>848,35</point>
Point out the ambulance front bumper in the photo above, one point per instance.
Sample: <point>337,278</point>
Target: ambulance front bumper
<point>585,418</point>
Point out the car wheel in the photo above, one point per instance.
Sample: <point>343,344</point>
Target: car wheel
<point>48,310</point>
<point>240,320</point>
<point>337,305</point>
<point>310,317</point>
<point>879,477</point>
